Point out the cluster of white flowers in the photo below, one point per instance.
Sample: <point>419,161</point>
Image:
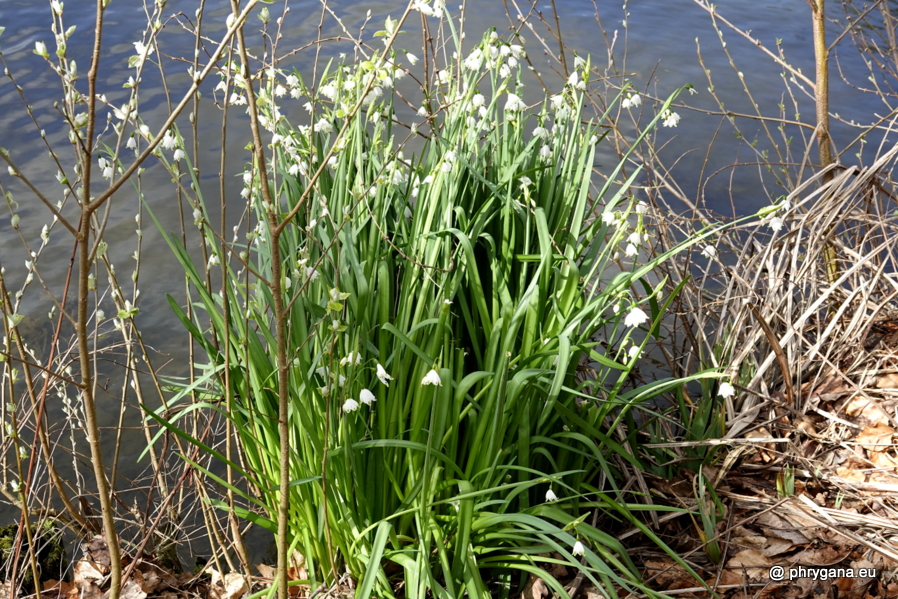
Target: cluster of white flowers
<point>435,10</point>
<point>474,60</point>
<point>323,126</point>
<point>352,358</point>
<point>395,172</point>
<point>632,101</point>
<point>171,142</point>
<point>575,82</point>
<point>106,167</point>
<point>514,103</point>
<point>560,106</point>
<point>416,189</point>
<point>292,146</point>
<point>633,242</point>
<point>449,159</point>
<point>330,91</point>
<point>671,119</point>
<point>125,112</point>
<point>366,396</point>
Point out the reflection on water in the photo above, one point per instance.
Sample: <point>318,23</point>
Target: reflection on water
<point>661,40</point>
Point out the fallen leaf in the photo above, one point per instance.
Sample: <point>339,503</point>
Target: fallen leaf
<point>811,588</point>
<point>806,426</point>
<point>800,522</point>
<point>882,460</point>
<point>887,381</point>
<point>829,385</point>
<point>668,575</point>
<point>50,589</point>
<point>535,588</point>
<point>229,586</point>
<point>746,565</point>
<point>297,569</point>
<point>876,438</point>
<point>831,537</point>
<point>89,590</point>
<point>777,546</point>
<point>132,590</point>
<point>148,581</point>
<point>759,433</point>
<point>854,588</point>
<point>825,555</point>
<point>559,571</point>
<point>867,410</point>
<point>769,546</point>
<point>750,542</point>
<point>774,526</point>
<point>851,474</point>
<point>881,562</point>
<point>266,571</point>
<point>86,571</point>
<point>148,577</point>
<point>97,551</point>
<point>764,449</point>
<point>215,574</point>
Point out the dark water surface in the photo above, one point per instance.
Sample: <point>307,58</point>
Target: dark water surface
<point>659,40</point>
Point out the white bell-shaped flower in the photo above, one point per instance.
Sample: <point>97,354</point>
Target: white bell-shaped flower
<point>635,318</point>
<point>432,378</point>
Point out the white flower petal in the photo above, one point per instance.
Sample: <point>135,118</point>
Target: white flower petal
<point>432,378</point>
<point>636,317</point>
<point>383,375</point>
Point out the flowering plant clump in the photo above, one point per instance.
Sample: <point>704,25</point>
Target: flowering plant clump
<point>437,305</point>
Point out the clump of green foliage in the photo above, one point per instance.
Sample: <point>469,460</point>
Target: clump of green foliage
<point>439,305</point>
